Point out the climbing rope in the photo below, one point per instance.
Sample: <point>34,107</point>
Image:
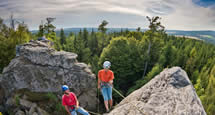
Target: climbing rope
<point>131,103</point>
<point>123,98</point>
<point>97,106</point>
<point>119,93</point>
<point>98,101</point>
<point>94,113</point>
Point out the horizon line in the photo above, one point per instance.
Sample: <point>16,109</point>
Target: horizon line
<point>120,28</point>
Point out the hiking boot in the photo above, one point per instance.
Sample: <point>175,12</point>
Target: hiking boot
<point>107,111</point>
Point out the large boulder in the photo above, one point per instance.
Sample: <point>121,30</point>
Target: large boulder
<point>169,93</point>
<point>38,68</point>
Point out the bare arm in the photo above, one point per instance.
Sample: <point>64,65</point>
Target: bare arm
<point>77,102</point>
<point>111,81</point>
<point>99,81</point>
<point>112,77</point>
<point>67,109</point>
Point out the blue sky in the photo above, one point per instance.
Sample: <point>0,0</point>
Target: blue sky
<point>176,14</point>
<point>204,3</point>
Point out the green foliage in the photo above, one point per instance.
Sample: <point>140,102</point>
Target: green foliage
<point>51,97</point>
<point>207,95</point>
<point>60,108</point>
<point>85,37</point>
<point>41,31</point>
<point>48,27</point>
<point>79,48</point>
<point>139,83</point>
<point>102,26</point>
<point>17,99</point>
<point>62,37</point>
<point>137,35</point>
<point>138,29</point>
<point>9,38</point>
<point>155,25</point>
<point>94,64</point>
<point>129,53</point>
<point>169,53</point>
<point>126,62</point>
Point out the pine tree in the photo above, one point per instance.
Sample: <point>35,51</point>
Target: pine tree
<point>102,28</point>
<point>154,26</point>
<point>62,37</point>
<point>85,37</point>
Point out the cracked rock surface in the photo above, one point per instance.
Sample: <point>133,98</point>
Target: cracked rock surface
<point>169,93</point>
<point>39,68</point>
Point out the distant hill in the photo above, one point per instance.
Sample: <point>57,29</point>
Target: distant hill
<point>208,36</point>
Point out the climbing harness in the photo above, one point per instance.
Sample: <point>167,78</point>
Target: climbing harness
<point>105,84</point>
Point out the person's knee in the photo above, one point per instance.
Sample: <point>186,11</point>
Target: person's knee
<point>105,99</point>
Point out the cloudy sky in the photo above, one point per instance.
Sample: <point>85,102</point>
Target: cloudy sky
<point>176,14</point>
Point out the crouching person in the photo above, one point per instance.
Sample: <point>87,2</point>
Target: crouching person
<point>70,102</point>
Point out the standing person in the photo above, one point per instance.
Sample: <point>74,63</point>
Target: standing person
<point>70,102</point>
<point>105,83</point>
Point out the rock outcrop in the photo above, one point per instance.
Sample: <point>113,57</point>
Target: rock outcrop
<point>40,69</point>
<point>169,93</point>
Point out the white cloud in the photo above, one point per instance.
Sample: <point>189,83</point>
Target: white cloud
<point>176,14</point>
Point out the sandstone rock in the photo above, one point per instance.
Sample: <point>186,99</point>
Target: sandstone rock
<point>32,109</point>
<point>169,93</point>
<point>25,103</point>
<point>20,113</point>
<point>39,68</point>
<point>41,111</point>
<point>34,113</point>
<point>10,102</point>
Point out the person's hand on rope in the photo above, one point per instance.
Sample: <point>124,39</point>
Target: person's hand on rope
<point>76,107</point>
<point>111,81</point>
